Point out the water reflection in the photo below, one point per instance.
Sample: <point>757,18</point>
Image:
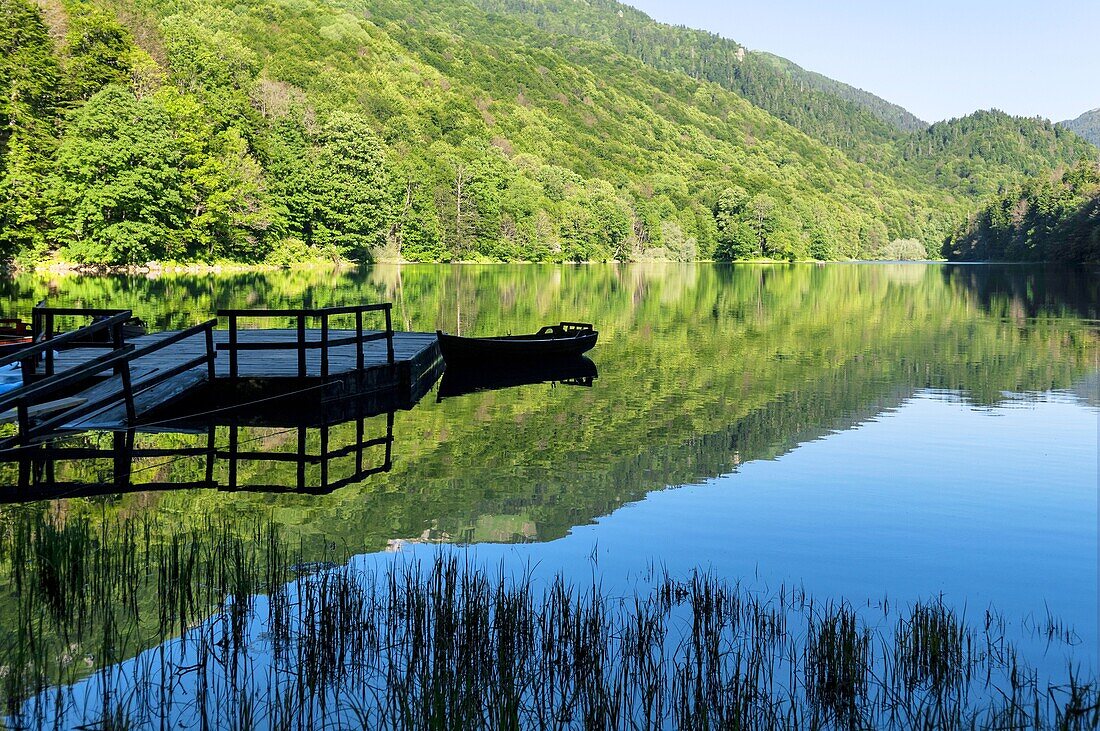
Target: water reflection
<point>462,379</point>
<point>868,430</point>
<point>311,460</point>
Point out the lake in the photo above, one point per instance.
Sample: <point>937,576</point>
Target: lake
<point>882,434</point>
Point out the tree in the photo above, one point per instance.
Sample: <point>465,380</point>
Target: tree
<point>119,192</point>
<point>29,91</point>
<point>350,187</point>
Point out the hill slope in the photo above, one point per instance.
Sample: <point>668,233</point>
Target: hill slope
<point>138,130</point>
<point>221,130</point>
<point>968,158</point>
<point>1087,125</point>
<point>1046,219</point>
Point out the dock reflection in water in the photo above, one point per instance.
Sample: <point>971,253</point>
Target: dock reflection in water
<point>285,449</point>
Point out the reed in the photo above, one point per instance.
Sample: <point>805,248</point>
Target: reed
<point>132,624</point>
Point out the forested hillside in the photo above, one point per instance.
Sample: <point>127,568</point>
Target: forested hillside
<point>279,130</point>
<point>965,158</point>
<point>1087,125</point>
<point>1049,218</point>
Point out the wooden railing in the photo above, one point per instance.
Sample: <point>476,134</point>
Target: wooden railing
<point>43,320</point>
<point>301,343</point>
<point>37,465</point>
<point>37,390</point>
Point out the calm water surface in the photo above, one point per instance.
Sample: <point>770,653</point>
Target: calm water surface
<point>868,431</point>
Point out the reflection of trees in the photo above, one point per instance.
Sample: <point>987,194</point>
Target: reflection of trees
<point>1017,291</point>
<point>701,368</point>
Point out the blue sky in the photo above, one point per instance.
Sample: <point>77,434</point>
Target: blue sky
<point>937,58</point>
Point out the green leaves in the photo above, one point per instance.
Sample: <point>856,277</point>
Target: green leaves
<point>1041,220</point>
<point>149,179</point>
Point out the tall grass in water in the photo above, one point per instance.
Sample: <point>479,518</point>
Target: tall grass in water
<point>132,624</point>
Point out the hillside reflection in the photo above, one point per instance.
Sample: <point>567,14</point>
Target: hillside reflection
<point>701,368</point>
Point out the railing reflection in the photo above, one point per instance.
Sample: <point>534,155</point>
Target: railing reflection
<point>324,457</point>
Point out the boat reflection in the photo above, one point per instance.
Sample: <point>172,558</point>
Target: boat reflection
<point>462,379</point>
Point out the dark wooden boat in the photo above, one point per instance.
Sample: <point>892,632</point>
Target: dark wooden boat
<point>563,339</point>
<point>14,334</point>
<point>464,378</point>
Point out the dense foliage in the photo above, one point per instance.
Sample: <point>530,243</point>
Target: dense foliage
<point>964,158</point>
<point>203,130</point>
<point>1087,125</point>
<point>1046,219</point>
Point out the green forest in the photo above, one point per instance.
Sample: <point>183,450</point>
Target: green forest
<point>283,131</point>
<point>1054,218</point>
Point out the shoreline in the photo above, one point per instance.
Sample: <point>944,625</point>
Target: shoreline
<point>155,269</point>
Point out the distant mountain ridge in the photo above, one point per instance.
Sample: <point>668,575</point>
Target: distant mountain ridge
<point>968,158</point>
<point>1087,125</point>
<point>892,114</point>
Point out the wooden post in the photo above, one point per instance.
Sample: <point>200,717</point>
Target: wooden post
<point>301,346</point>
<point>128,392</point>
<point>211,453</point>
<point>24,420</point>
<point>324,456</point>
<point>324,345</point>
<point>47,334</point>
<point>232,457</point>
<point>359,445</point>
<point>233,347</point>
<point>211,374</point>
<point>120,459</point>
<point>359,340</point>
<point>123,370</point>
<point>389,333</point>
<point>389,440</point>
<point>26,368</point>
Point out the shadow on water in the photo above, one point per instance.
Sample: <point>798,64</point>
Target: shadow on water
<point>1017,290</point>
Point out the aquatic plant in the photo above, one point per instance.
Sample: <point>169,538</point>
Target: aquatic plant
<point>229,626</point>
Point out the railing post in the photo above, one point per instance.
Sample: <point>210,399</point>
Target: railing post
<point>26,369</point>
<point>389,441</point>
<point>359,445</point>
<point>128,392</point>
<point>233,347</point>
<point>359,340</point>
<point>123,371</point>
<point>211,452</point>
<point>232,457</point>
<point>324,345</point>
<point>47,334</point>
<point>24,420</point>
<point>210,353</point>
<point>389,333</point>
<point>301,345</point>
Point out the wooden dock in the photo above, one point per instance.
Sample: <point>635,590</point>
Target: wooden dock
<point>96,377</point>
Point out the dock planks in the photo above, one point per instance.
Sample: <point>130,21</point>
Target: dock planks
<point>416,360</point>
<point>273,364</point>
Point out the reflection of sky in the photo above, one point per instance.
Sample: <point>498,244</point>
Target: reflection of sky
<point>933,497</point>
<point>996,505</point>
<point>986,506</point>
